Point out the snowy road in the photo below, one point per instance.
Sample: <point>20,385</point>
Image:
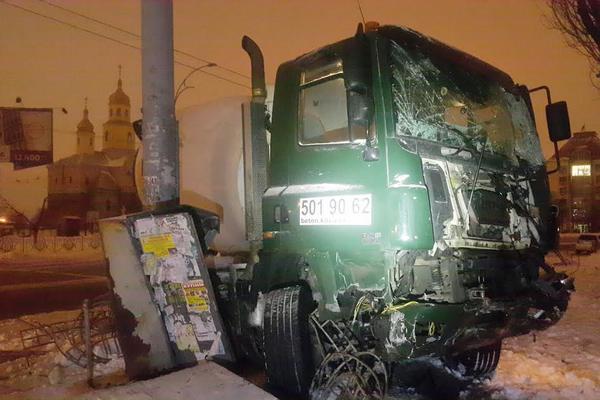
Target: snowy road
<point>34,285</point>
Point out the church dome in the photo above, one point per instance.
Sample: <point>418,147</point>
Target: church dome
<point>119,96</point>
<point>85,124</point>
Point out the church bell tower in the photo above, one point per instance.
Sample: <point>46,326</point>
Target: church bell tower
<point>85,133</point>
<point>118,130</point>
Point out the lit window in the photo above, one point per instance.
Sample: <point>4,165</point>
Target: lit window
<point>581,170</point>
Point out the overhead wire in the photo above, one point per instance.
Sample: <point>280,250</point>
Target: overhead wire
<point>77,27</point>
<point>138,36</point>
<point>362,16</point>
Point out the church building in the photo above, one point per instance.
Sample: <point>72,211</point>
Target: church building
<point>96,184</point>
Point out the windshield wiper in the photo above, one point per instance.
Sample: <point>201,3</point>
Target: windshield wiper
<point>474,184</point>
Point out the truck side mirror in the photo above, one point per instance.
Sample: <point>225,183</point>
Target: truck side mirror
<point>359,111</point>
<point>356,59</point>
<point>557,117</point>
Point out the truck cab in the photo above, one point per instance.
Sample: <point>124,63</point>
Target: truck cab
<point>406,212</point>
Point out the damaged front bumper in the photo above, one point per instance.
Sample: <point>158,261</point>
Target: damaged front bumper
<point>417,329</point>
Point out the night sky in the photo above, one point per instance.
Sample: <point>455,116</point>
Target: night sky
<point>52,65</point>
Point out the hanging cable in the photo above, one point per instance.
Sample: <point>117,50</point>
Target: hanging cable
<point>135,35</point>
<point>362,16</point>
<point>77,27</point>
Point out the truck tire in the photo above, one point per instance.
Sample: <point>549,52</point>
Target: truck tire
<point>479,363</point>
<point>286,339</point>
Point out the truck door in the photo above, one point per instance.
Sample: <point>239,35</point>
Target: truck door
<point>327,150</point>
<point>331,188</point>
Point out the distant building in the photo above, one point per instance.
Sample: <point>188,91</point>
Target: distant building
<point>576,187</point>
<point>96,184</point>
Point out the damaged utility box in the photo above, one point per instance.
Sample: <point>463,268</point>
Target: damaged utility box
<point>164,304</point>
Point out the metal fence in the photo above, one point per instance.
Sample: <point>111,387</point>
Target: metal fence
<point>50,244</point>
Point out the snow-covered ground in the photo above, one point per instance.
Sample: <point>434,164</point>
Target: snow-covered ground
<point>47,375</point>
<point>562,362</point>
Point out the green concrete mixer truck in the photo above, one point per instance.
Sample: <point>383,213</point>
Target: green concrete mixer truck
<point>397,210</point>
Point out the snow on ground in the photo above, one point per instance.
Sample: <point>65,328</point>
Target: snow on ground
<point>562,362</point>
<point>49,374</point>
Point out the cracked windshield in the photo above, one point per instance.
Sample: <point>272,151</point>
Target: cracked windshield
<point>440,103</point>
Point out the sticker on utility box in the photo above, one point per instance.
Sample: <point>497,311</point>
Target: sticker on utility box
<point>196,296</point>
<point>159,245</point>
<point>354,209</point>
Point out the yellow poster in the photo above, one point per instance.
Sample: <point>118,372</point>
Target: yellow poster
<point>159,245</point>
<point>196,295</point>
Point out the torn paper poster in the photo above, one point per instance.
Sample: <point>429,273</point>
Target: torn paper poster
<point>204,327</point>
<point>186,338</point>
<point>159,245</point>
<point>149,262</point>
<point>172,260</point>
<point>146,226</point>
<point>196,296</point>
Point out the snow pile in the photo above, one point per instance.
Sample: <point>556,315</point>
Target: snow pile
<point>533,375</point>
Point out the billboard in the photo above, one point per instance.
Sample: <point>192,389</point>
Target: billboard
<point>26,136</point>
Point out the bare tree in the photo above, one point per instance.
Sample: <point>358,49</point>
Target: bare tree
<point>579,21</point>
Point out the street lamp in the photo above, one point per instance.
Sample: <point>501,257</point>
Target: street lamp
<point>183,86</point>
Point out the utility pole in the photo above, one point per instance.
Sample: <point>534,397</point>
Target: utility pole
<point>159,128</point>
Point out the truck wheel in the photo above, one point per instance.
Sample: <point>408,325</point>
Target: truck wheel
<point>478,363</point>
<point>286,339</point>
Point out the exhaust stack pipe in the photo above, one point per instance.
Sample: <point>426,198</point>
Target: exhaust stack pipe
<point>256,156</point>
<point>258,68</point>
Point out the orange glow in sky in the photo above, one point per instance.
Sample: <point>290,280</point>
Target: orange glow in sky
<point>53,65</point>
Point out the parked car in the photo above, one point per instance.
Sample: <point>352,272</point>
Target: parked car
<point>586,243</point>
